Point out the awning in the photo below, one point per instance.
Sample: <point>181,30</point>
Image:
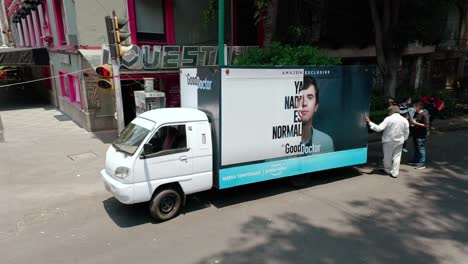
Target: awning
<point>24,57</point>
<point>92,57</point>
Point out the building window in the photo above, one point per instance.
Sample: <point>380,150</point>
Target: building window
<point>151,21</point>
<point>169,140</point>
<point>74,84</point>
<point>64,84</point>
<point>70,87</point>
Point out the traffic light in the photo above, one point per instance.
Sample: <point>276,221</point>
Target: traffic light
<point>111,36</point>
<point>117,36</point>
<point>121,36</point>
<point>106,77</point>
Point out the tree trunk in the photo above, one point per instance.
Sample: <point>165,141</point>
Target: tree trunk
<point>393,59</point>
<point>385,19</point>
<point>418,68</point>
<point>270,22</point>
<point>390,82</point>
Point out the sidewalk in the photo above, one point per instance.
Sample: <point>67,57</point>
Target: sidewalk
<point>439,125</point>
<point>47,161</point>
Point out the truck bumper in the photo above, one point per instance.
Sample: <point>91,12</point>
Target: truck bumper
<point>121,191</point>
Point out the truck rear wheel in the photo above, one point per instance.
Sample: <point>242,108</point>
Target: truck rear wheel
<point>165,205</point>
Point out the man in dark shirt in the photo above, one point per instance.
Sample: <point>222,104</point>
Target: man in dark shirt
<point>421,126</point>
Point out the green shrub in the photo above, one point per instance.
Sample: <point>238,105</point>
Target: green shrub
<point>286,55</point>
<point>378,116</point>
<point>377,103</point>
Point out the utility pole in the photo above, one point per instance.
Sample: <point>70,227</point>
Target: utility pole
<point>221,32</point>
<point>118,95</point>
<point>111,36</point>
<point>115,60</point>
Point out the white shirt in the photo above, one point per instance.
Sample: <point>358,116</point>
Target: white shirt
<point>395,128</point>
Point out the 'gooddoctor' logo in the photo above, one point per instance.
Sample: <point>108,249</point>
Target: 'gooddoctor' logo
<point>201,84</point>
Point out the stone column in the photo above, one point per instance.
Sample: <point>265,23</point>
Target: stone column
<point>37,28</point>
<point>25,31</point>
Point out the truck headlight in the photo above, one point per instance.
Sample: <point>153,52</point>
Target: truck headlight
<point>121,172</point>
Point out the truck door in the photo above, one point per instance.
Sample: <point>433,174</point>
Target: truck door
<point>171,156</point>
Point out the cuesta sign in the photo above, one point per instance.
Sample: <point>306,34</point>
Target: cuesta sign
<point>173,57</point>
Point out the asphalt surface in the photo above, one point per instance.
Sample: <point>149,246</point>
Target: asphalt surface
<point>56,210</point>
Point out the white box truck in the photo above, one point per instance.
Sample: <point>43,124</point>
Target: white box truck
<point>238,126</point>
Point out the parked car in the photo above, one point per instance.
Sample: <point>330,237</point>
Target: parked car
<point>9,73</point>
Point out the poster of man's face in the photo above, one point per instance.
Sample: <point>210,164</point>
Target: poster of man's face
<point>307,103</point>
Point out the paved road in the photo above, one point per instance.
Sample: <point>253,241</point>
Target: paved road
<point>55,209</point>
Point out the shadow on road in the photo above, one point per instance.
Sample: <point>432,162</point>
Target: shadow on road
<point>134,215</point>
<point>428,227</point>
<point>303,242</point>
<point>127,215</point>
<point>256,191</point>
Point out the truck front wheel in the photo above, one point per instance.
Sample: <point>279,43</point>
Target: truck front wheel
<point>165,205</point>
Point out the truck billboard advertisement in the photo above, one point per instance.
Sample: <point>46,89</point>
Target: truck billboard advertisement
<point>288,121</point>
<point>277,122</point>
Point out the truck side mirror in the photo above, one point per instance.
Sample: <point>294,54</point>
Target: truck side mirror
<point>147,148</point>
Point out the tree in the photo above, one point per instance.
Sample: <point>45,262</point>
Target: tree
<point>385,19</point>
<point>396,24</point>
<point>266,12</point>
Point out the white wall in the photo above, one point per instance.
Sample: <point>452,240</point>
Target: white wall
<point>90,19</point>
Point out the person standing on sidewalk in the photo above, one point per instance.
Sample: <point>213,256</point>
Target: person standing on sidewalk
<point>404,112</point>
<point>421,125</point>
<point>395,131</point>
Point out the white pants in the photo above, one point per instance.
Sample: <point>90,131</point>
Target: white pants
<point>392,157</point>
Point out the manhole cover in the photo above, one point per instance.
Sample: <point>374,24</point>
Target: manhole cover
<point>82,156</point>
<point>62,118</point>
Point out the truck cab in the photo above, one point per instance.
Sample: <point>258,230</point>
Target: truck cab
<point>161,156</point>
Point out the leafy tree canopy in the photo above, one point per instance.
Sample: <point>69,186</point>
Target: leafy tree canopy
<point>278,54</point>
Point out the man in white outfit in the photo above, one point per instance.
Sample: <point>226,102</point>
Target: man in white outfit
<point>395,132</point>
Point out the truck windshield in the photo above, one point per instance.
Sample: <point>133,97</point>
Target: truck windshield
<point>130,139</point>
